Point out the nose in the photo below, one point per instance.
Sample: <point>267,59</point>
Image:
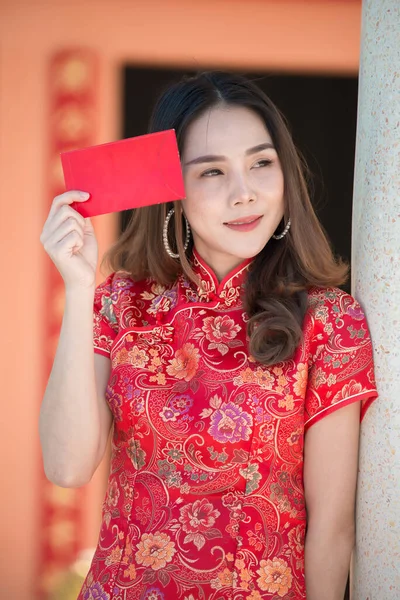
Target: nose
<point>241,192</point>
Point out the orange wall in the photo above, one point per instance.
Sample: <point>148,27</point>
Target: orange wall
<point>281,35</point>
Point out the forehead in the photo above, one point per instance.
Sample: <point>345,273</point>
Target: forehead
<point>224,129</point>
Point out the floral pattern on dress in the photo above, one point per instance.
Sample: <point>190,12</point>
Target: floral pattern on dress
<point>205,499</point>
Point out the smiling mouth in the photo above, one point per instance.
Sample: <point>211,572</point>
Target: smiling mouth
<point>245,220</point>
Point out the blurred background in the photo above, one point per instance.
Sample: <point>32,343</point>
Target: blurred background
<point>85,72</point>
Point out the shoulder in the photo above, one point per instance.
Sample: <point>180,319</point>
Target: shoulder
<point>333,305</point>
<point>328,296</point>
<point>336,320</point>
<point>114,287</point>
<point>335,317</point>
<point>116,283</point>
<point>131,302</point>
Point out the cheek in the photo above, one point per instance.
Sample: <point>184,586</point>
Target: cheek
<point>271,182</point>
<point>197,213</point>
<point>198,204</point>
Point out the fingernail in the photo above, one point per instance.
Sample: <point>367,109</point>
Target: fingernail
<point>84,195</point>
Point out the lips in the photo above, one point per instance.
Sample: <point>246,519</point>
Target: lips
<point>244,220</point>
<point>244,224</point>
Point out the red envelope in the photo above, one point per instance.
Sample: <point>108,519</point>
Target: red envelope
<point>138,171</point>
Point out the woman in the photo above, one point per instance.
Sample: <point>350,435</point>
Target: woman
<point>232,367</point>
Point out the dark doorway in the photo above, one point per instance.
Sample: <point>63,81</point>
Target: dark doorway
<point>321,112</point>
<point>322,115</point>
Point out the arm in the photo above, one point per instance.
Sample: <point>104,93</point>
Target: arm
<point>75,419</point>
<point>330,478</point>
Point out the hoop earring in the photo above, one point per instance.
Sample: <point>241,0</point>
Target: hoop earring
<point>284,232</point>
<point>165,235</point>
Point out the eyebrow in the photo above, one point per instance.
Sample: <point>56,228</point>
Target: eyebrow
<point>217,158</point>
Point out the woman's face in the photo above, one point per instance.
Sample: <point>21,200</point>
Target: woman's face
<point>234,186</point>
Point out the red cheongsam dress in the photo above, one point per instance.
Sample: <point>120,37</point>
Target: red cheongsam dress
<point>205,497</point>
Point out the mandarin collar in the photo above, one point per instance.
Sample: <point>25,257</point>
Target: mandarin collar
<point>228,291</point>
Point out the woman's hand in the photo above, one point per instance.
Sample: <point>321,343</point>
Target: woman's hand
<point>69,240</point>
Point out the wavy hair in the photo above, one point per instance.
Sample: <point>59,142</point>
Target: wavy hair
<point>280,276</point>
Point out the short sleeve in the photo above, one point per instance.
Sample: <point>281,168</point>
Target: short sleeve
<point>105,324</point>
<point>341,367</point>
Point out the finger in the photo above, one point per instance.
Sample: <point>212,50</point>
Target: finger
<point>55,219</point>
<point>68,198</point>
<point>63,221</point>
<point>51,228</point>
<point>62,232</point>
<point>63,214</point>
<point>70,244</point>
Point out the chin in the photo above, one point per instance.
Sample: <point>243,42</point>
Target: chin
<point>249,251</point>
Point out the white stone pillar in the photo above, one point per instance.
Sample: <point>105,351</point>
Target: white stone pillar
<point>376,284</point>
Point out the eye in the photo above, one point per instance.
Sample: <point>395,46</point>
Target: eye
<point>263,163</point>
<point>211,173</point>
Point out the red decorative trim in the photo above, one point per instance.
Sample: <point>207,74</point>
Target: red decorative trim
<point>72,101</point>
<point>369,394</point>
<point>207,273</point>
<point>101,351</point>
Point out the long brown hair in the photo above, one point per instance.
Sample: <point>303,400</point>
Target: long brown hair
<point>282,273</point>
